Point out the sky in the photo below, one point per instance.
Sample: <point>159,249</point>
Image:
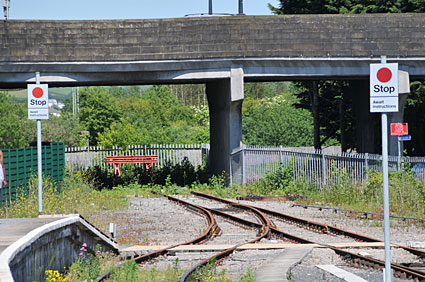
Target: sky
<point>128,9</point>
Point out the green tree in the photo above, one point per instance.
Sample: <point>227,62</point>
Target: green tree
<point>189,94</point>
<point>277,122</point>
<point>122,134</point>
<point>332,95</point>
<point>156,116</point>
<point>61,129</point>
<point>98,110</point>
<point>414,115</point>
<point>15,128</point>
<point>347,6</point>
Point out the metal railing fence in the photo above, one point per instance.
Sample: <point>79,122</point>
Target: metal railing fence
<point>78,158</point>
<point>251,163</point>
<point>315,167</point>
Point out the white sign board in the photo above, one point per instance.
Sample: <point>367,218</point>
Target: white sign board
<point>383,88</point>
<point>38,101</point>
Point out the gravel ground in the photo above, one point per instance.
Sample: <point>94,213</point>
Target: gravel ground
<point>307,270</point>
<point>401,232</point>
<point>151,221</point>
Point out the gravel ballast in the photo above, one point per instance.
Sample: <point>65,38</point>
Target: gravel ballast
<point>157,221</point>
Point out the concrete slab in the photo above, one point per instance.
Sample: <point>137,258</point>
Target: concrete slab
<point>12,229</point>
<point>341,273</point>
<point>276,270</point>
<point>416,245</point>
<point>258,246</point>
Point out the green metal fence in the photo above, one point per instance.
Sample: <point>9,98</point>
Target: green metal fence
<point>21,163</point>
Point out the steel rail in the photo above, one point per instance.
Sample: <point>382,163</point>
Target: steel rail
<point>400,271</point>
<point>265,232</point>
<point>366,213</point>
<point>324,228</point>
<point>212,230</point>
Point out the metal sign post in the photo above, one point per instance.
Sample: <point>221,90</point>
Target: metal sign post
<point>240,7</point>
<point>6,7</point>
<point>384,125</point>
<point>39,157</point>
<point>384,98</point>
<point>38,109</point>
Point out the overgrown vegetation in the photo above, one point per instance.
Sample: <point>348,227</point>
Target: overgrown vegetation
<point>209,273</point>
<point>407,193</point>
<point>407,197</point>
<point>180,174</point>
<point>74,195</point>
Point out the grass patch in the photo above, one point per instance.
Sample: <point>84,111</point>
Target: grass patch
<point>209,273</point>
<point>406,193</point>
<point>74,196</point>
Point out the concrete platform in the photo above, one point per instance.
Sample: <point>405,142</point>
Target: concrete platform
<point>341,273</point>
<point>277,268</point>
<point>12,229</point>
<point>31,245</point>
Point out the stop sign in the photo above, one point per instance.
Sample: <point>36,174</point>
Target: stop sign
<point>38,101</point>
<point>383,88</point>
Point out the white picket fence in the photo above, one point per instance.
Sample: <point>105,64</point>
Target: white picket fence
<point>77,158</point>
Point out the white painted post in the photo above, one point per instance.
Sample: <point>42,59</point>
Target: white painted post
<point>113,230</point>
<point>39,156</point>
<point>399,153</point>
<point>244,164</point>
<point>384,125</point>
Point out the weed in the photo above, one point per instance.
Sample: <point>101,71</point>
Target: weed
<point>209,273</point>
<point>54,275</point>
<point>407,193</point>
<point>88,267</point>
<point>127,272</point>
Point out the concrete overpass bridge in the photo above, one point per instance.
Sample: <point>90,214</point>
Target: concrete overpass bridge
<point>221,52</point>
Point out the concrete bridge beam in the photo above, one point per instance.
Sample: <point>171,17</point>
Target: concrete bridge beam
<point>225,97</point>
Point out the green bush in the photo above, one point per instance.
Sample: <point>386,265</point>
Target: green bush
<point>279,182</point>
<point>181,174</point>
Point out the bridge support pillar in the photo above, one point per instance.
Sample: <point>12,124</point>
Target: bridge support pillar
<point>366,123</point>
<point>225,97</point>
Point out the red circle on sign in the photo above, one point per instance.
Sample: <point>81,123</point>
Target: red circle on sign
<point>37,92</point>
<point>384,75</point>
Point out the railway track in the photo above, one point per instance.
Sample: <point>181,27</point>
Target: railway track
<point>311,225</point>
<point>356,259</point>
<point>212,230</point>
<point>262,228</point>
<point>266,228</point>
